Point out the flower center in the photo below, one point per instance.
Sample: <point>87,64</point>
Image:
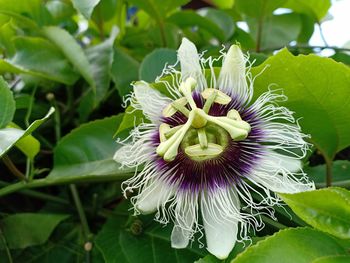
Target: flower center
<point>203,136</point>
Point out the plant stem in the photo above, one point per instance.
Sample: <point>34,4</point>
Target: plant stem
<point>260,28</point>
<point>329,172</point>
<point>38,195</point>
<point>83,220</point>
<point>12,167</point>
<point>58,180</point>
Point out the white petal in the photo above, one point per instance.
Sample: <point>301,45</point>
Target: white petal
<point>153,196</point>
<point>220,229</point>
<point>189,62</point>
<point>275,173</point>
<point>232,78</point>
<point>152,102</point>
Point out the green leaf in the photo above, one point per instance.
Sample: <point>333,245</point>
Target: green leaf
<point>300,245</point>
<point>85,7</point>
<point>30,11</point>
<point>7,32</point>
<point>38,57</point>
<point>131,118</point>
<point>325,209</point>
<point>65,244</point>
<point>154,63</point>
<point>258,8</point>
<point>238,248</point>
<point>315,8</point>
<point>72,51</point>
<point>341,57</point>
<point>158,9</point>
<point>340,174</point>
<point>277,30</point>
<point>7,104</point>
<point>333,259</point>
<point>27,144</point>
<point>187,18</point>
<point>11,136</point>
<point>117,243</point>
<point>26,229</point>
<point>221,19</point>
<point>223,4</point>
<point>317,90</point>
<point>101,59</point>
<point>125,69</point>
<point>87,151</point>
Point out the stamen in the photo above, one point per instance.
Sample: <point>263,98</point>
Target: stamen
<point>206,128</point>
<point>172,131</point>
<point>177,105</point>
<point>186,89</point>
<point>220,98</point>
<point>238,130</point>
<point>163,128</point>
<point>169,148</point>
<point>209,101</point>
<point>199,121</point>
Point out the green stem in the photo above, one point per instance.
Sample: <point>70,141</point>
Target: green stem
<point>329,172</point>
<point>38,195</point>
<point>83,220</point>
<point>260,28</point>
<point>12,167</point>
<point>59,180</point>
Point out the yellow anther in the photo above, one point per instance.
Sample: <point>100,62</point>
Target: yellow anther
<point>163,128</point>
<point>220,98</point>
<point>173,107</point>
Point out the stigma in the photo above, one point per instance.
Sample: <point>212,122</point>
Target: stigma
<point>202,136</point>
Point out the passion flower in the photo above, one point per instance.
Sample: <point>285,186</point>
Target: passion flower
<point>208,147</point>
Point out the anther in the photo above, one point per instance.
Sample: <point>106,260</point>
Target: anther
<point>220,97</point>
<point>163,128</point>
<point>177,105</point>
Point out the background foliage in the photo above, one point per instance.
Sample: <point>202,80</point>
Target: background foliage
<point>66,66</point>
